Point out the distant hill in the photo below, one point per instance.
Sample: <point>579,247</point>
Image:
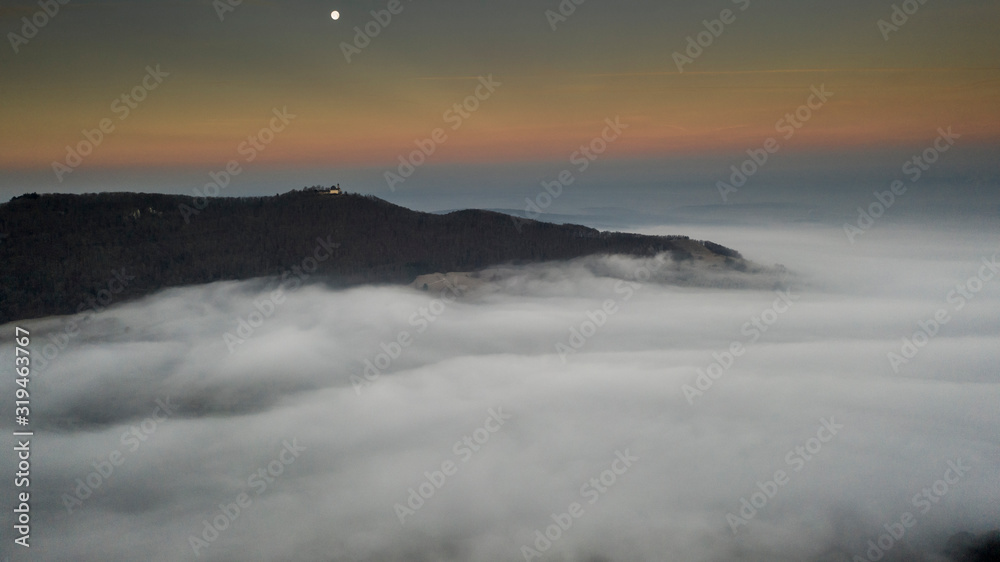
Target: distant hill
<point>59,251</point>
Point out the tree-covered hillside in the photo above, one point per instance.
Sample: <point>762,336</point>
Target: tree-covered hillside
<point>58,251</point>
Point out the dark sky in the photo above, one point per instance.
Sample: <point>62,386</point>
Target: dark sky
<point>223,73</point>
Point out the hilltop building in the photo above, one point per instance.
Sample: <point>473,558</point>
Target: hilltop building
<point>332,190</point>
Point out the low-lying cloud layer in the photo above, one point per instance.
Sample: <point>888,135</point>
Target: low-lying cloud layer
<point>582,411</point>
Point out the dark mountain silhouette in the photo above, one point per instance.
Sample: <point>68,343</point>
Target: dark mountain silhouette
<point>61,253</point>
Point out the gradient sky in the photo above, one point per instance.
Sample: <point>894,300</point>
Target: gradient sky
<point>607,59</point>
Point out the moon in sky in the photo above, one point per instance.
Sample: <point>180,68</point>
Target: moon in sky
<point>335,15</point>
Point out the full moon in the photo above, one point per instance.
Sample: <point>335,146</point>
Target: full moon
<point>335,15</point>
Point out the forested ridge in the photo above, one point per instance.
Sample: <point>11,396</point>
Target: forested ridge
<point>57,251</point>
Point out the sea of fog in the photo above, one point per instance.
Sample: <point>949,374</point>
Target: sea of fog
<point>603,409</point>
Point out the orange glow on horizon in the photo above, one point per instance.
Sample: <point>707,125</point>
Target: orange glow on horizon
<point>537,118</point>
